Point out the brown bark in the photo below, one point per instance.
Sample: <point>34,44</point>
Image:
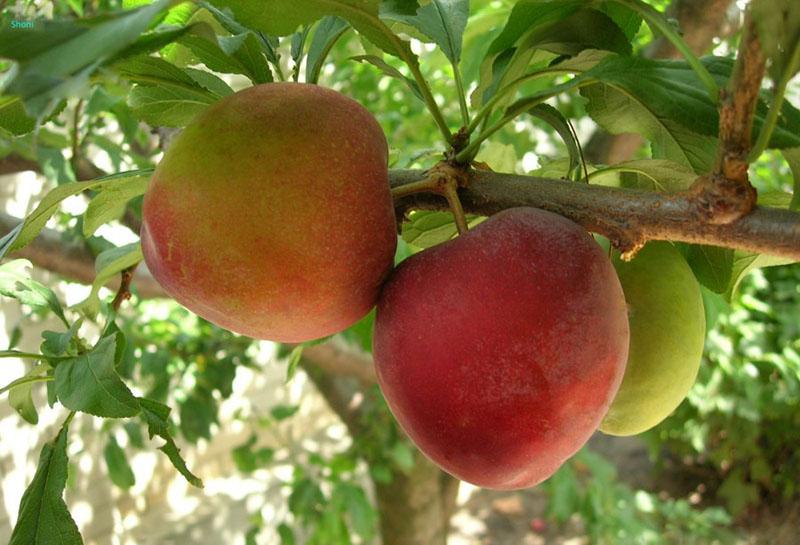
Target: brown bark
<point>628,217</point>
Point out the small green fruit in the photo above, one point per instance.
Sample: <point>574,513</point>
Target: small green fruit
<point>667,325</point>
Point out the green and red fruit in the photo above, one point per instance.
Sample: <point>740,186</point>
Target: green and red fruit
<point>271,214</point>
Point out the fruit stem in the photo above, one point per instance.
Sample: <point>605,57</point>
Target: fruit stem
<point>443,179</point>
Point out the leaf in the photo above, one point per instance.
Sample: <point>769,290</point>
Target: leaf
<point>210,82</point>
<point>328,31</point>
<point>248,459</point>
<point>778,26</point>
<point>166,107</point>
<point>282,412</point>
<point>36,220</point>
<point>20,398</point>
<point>58,344</point>
<point>109,264</point>
<point>620,113</point>
<point>443,21</point>
<point>362,515</point>
<point>282,17</point>
<point>499,157</point>
<point>671,91</point>
<point>109,204</point>
<point>15,282</point>
<point>156,415</point>
<point>43,516</point>
<point>426,228</point>
<point>712,266</point>
<point>239,54</point>
<point>119,470</point>
<point>556,119</point>
<point>792,157</point>
<point>63,55</point>
<point>13,117</point>
<point>390,71</point>
<point>744,263</point>
<point>294,360</point>
<point>651,174</point>
<point>89,383</point>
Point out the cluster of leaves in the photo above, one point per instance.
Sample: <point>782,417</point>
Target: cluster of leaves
<point>587,487</point>
<point>743,415</point>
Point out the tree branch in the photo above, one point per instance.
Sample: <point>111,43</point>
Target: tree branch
<point>72,260</point>
<point>628,217</point>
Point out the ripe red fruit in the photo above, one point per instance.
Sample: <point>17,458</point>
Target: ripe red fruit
<point>499,352</point>
<point>271,214</point>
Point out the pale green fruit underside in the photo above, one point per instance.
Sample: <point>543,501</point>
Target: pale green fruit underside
<point>667,328</point>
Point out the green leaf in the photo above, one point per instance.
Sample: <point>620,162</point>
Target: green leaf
<point>20,398</point>
<point>792,157</point>
<point>672,91</point>
<point>328,31</point>
<point>500,157</point>
<point>89,383</point>
<point>282,412</point>
<point>443,21</point>
<point>166,107</point>
<point>619,113</point>
<point>117,463</point>
<point>43,516</point>
<point>778,25</point>
<point>286,534</point>
<point>282,17</point>
<point>16,282</point>
<point>109,204</point>
<point>426,228</point>
<point>556,119</point>
<point>744,263</point>
<point>107,265</point>
<point>156,415</point>
<point>390,71</point>
<point>248,459</point>
<point>66,54</point>
<point>58,344</point>
<point>362,515</point>
<point>240,54</point>
<point>294,360</point>
<point>24,234</point>
<point>651,174</point>
<point>712,266</point>
<point>13,117</point>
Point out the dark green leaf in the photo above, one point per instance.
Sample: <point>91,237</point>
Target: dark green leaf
<point>43,516</point>
<point>15,282</point>
<point>282,412</point>
<point>712,266</point>
<point>197,413</point>
<point>58,344</point>
<point>248,459</point>
<point>69,55</point>
<point>557,121</point>
<point>13,117</point>
<point>90,383</point>
<point>286,534</point>
<point>117,462</point>
<point>156,415</point>
<point>328,31</point>
<point>362,515</point>
<point>443,21</point>
<point>167,107</point>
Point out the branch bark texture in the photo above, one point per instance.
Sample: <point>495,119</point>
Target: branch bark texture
<point>627,217</point>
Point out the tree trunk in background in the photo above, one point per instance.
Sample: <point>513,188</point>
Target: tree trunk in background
<point>415,508</point>
<point>700,22</point>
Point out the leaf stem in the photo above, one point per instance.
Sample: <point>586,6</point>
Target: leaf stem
<point>451,194</point>
<point>462,96</point>
<point>28,355</point>
<point>487,108</point>
<point>775,108</point>
<point>25,380</point>
<point>656,19</point>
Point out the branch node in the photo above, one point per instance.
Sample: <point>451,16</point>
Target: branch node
<point>720,200</point>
